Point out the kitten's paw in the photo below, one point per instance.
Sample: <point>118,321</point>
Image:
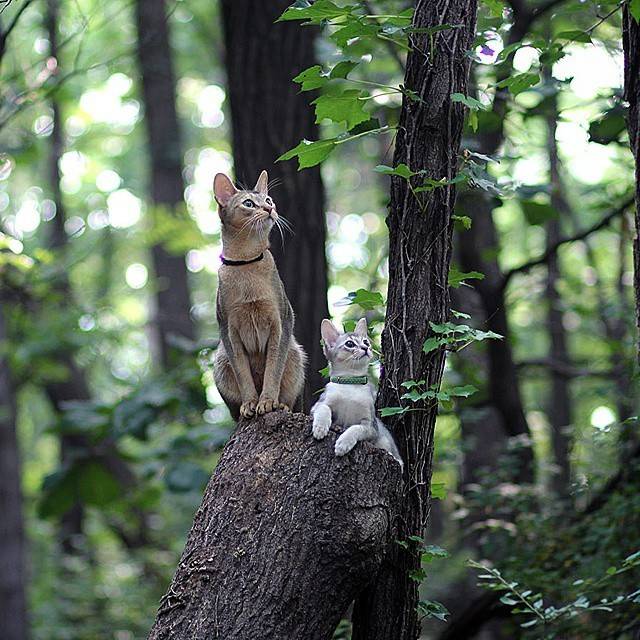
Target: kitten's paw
<point>344,444</point>
<point>284,407</point>
<point>321,426</point>
<point>266,405</point>
<point>248,409</point>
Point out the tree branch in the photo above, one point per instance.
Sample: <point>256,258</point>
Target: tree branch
<point>553,249</point>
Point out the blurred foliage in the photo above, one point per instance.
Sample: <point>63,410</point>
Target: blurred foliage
<point>94,301</point>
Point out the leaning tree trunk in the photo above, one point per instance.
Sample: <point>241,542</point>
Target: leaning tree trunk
<point>631,44</point>
<point>173,304</point>
<point>286,536</point>
<point>419,256</point>
<point>13,602</point>
<point>270,116</point>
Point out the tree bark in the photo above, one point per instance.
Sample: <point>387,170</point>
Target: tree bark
<point>286,536</point>
<point>631,45</point>
<point>173,305</point>
<point>420,233</point>
<point>13,602</point>
<point>270,116</point>
<point>560,403</point>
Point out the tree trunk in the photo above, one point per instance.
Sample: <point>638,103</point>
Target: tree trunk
<point>173,305</point>
<point>560,404</point>
<point>74,386</point>
<point>631,44</point>
<point>419,257</point>
<point>13,603</point>
<point>270,116</point>
<point>285,538</point>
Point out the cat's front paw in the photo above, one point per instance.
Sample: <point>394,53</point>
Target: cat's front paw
<point>321,424</point>
<point>344,444</point>
<point>266,405</point>
<point>248,409</point>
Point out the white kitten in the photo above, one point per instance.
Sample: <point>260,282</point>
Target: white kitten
<point>349,398</point>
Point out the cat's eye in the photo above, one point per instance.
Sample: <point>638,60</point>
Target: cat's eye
<point>365,343</point>
<point>249,203</point>
<point>350,344</point>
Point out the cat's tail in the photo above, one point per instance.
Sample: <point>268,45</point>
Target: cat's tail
<point>385,441</point>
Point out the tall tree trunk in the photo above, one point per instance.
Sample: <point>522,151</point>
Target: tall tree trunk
<point>631,45</point>
<point>270,116</point>
<point>74,386</point>
<point>420,231</point>
<point>173,316</point>
<point>560,404</point>
<point>13,602</point>
<point>478,252</point>
<point>285,538</point>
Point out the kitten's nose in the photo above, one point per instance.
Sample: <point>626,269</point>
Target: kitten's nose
<point>268,208</point>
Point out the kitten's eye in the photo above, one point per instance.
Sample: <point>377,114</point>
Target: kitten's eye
<point>250,204</point>
<point>365,343</point>
<point>350,344</point>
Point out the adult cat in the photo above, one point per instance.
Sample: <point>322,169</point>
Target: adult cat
<point>258,366</point>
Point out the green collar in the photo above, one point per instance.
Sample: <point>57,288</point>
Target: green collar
<point>350,379</point>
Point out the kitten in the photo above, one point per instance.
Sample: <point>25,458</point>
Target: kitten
<point>258,366</point>
<point>349,398</point>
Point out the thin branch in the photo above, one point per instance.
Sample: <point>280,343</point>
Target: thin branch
<point>552,250</point>
<point>564,369</point>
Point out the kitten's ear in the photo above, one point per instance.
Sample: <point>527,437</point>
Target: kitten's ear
<point>223,189</point>
<point>329,332</point>
<point>262,186</point>
<point>361,328</point>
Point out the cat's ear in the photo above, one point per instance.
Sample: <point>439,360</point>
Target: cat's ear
<point>329,333</point>
<point>262,186</point>
<point>361,328</point>
<point>223,189</point>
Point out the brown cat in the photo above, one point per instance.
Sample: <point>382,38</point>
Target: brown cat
<point>258,366</point>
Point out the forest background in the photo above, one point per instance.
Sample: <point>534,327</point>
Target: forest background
<point>113,121</point>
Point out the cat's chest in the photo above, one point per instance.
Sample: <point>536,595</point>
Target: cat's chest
<point>350,403</point>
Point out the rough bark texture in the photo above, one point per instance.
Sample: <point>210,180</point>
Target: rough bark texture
<point>13,605</point>
<point>419,256</point>
<point>631,44</point>
<point>173,316</point>
<point>270,116</point>
<point>286,536</point>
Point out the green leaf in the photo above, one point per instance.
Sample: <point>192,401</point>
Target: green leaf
<point>438,491</point>
<point>575,35</point>
<point>311,78</point>
<point>364,298</point>
<point>343,106</point>
<point>96,485</point>
<point>634,9</point>
<point>342,69</point>
<point>463,391</point>
<point>355,29</point>
<point>468,101</point>
<point>393,411</point>
<point>537,212</point>
<point>310,153</point>
<point>431,344</point>
<point>432,551</point>
<point>401,170</point>
<point>495,7</point>
<point>315,11</point>
<point>315,77</point>
<point>519,82</point>
<point>462,223</point>
<point>457,278</point>
<point>609,126</point>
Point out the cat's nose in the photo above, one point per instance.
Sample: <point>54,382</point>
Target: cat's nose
<point>268,208</point>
